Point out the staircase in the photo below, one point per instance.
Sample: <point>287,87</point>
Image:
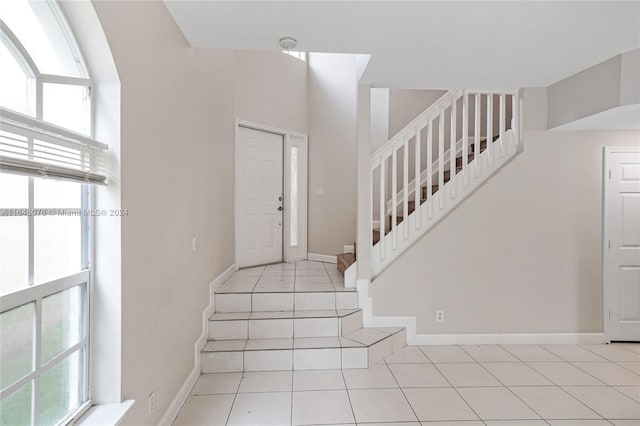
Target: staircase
<point>292,316</point>
<point>425,171</point>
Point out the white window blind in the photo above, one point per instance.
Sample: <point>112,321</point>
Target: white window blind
<point>36,148</point>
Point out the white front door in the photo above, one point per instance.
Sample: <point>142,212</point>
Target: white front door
<point>259,197</point>
<point>622,244</point>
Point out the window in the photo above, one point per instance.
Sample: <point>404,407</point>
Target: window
<point>300,55</point>
<point>47,164</point>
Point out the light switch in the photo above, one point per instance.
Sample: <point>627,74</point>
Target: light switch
<point>319,191</point>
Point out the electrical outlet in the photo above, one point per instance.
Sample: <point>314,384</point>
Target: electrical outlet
<point>439,316</point>
<point>194,243</point>
<point>152,402</point>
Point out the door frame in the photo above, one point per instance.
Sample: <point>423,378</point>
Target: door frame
<point>290,139</point>
<point>607,289</point>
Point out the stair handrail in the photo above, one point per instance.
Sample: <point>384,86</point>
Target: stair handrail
<point>470,142</point>
<point>432,109</point>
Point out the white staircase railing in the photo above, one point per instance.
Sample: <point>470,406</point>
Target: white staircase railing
<point>441,157</point>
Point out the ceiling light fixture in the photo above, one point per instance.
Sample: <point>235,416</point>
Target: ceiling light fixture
<point>288,43</point>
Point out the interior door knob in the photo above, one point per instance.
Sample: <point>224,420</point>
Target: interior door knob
<point>279,208</point>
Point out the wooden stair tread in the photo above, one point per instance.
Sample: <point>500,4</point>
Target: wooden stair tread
<point>434,187</point>
<point>344,261</point>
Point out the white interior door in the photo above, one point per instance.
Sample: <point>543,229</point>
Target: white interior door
<point>622,244</point>
<point>259,197</point>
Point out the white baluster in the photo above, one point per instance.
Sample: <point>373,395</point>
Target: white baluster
<point>441,158</point>
<point>465,136</point>
<point>417,180</point>
<point>503,120</point>
<point>476,134</point>
<point>453,152</point>
<point>383,202</point>
<point>405,189</point>
<point>429,169</point>
<point>490,129</point>
<point>394,197</point>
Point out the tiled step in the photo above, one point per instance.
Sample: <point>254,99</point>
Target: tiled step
<point>284,324</point>
<point>361,349</point>
<point>286,301</point>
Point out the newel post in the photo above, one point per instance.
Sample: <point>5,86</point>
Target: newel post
<point>363,154</point>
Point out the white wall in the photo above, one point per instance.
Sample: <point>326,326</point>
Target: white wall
<point>522,254</point>
<point>177,133</point>
<point>271,88</point>
<point>332,152</point>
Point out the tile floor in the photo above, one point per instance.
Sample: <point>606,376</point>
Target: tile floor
<point>506,385</point>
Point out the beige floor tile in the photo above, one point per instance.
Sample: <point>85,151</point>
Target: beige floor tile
<point>266,381</point>
<point>496,404</point>
<point>439,404</point>
<point>563,373</point>
<point>632,366</point>
<point>614,353</point>
<point>516,423</point>
<point>261,409</point>
<point>488,353</point>
<point>467,374</point>
<point>609,373</point>
<point>408,355</point>
<point>606,401</point>
<point>553,403</point>
<point>531,353</point>
<point>579,422</point>
<point>418,376</point>
<point>632,392</point>
<point>375,377</point>
<point>445,354</point>
<point>321,407</point>
<point>318,380</point>
<point>515,374</point>
<point>380,405</point>
<point>573,353</point>
<point>205,410</point>
<point>217,383</point>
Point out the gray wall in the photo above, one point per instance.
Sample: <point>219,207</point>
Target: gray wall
<point>332,152</point>
<point>177,130</point>
<point>523,253</point>
<point>271,88</point>
<point>407,104</point>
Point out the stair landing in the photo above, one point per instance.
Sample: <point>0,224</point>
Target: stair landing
<point>292,316</point>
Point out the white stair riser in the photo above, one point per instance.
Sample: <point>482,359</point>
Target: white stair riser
<point>287,359</point>
<point>351,323</point>
<point>274,302</point>
<point>284,328</point>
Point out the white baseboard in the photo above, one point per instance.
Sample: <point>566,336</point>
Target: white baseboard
<point>178,401</point>
<point>413,338</point>
<point>508,339</point>
<point>322,258</point>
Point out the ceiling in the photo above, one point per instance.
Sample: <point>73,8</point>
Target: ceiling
<point>425,44</point>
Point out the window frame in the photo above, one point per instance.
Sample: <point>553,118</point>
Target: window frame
<point>36,292</point>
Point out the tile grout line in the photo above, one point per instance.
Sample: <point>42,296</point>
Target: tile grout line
<point>454,389</point>
<point>601,381</point>
<point>402,391</point>
<point>346,389</point>
<point>554,383</point>
<point>505,386</point>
